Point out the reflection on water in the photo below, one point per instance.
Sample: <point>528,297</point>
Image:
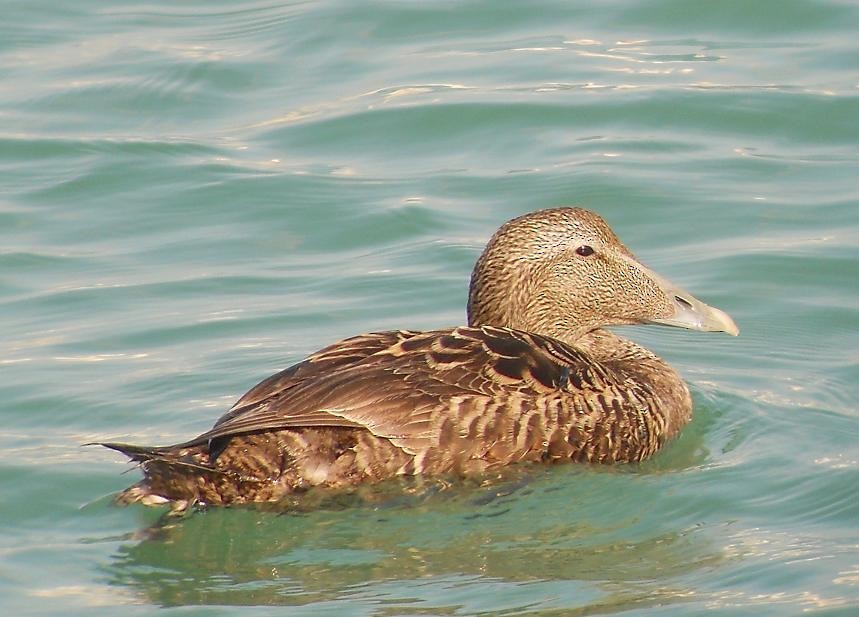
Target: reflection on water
<point>590,536</point>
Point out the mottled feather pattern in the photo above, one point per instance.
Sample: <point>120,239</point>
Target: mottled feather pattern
<point>535,376</point>
<point>457,401</point>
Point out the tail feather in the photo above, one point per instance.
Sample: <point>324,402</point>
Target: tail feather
<point>135,453</point>
<point>170,474</point>
<point>166,455</point>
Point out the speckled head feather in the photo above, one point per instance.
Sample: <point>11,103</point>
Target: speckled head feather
<point>561,272</point>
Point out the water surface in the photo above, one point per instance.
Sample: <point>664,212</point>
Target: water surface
<point>194,195</point>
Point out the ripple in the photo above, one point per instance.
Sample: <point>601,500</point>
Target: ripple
<point>194,196</point>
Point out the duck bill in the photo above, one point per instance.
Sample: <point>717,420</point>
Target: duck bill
<point>690,313</point>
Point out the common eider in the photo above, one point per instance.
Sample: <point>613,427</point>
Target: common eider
<point>535,376</point>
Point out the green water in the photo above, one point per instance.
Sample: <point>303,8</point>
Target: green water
<point>194,195</point>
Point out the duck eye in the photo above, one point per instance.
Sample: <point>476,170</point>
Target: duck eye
<point>585,251</point>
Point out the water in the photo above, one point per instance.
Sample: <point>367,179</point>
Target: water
<point>193,195</point>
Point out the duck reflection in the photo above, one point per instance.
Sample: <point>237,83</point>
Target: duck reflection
<point>558,538</point>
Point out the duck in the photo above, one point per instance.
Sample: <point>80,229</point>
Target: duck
<point>536,376</point>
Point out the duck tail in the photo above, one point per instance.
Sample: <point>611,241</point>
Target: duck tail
<point>171,475</point>
<point>140,454</point>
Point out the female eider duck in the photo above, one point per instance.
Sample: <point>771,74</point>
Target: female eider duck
<point>533,377</point>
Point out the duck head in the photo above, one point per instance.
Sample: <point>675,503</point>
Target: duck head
<point>563,273</point>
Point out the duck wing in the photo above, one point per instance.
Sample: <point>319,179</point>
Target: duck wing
<point>404,385</point>
<point>343,354</point>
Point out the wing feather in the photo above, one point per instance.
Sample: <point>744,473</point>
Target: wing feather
<point>400,385</point>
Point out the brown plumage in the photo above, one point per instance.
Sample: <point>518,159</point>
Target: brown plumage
<point>534,377</point>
